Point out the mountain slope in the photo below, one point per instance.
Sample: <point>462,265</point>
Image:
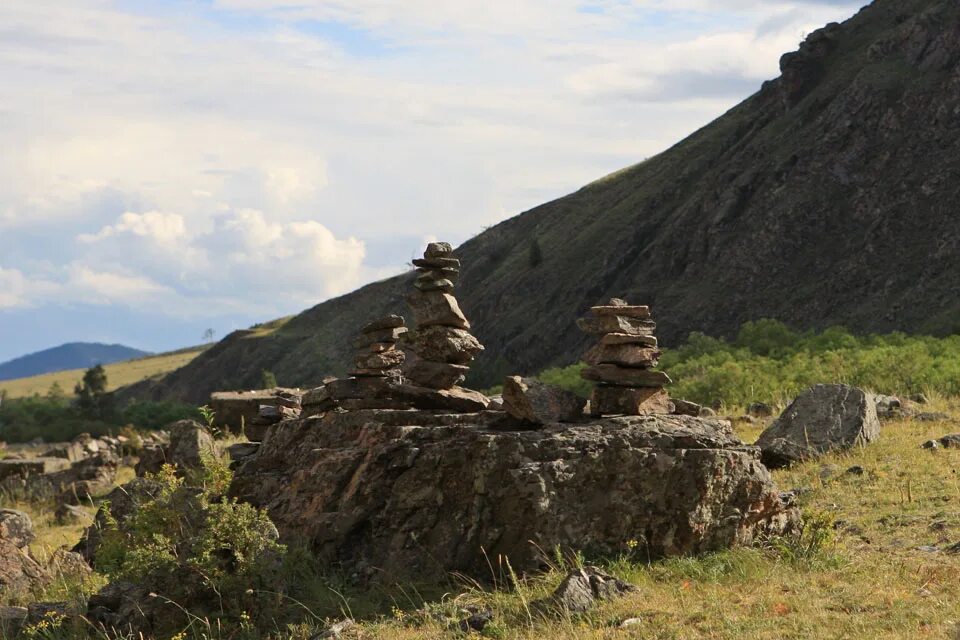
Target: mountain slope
<point>829,197</point>
<point>74,355</point>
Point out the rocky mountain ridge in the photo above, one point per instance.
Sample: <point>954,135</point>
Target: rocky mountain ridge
<point>826,198</point>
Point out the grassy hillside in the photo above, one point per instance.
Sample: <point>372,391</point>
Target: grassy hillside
<point>119,374</point>
<point>827,198</point>
<point>74,355</point>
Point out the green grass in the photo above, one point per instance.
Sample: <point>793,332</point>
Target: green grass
<point>118,374</point>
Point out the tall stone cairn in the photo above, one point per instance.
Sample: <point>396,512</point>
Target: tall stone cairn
<point>622,363</point>
<point>442,345</point>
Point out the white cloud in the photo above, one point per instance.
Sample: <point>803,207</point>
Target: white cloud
<point>162,227</point>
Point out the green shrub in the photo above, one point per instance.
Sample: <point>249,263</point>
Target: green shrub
<point>769,362</point>
<point>190,545</point>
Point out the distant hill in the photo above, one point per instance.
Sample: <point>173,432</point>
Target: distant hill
<point>75,355</point>
<point>829,197</point>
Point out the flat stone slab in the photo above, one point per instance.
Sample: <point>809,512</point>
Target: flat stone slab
<point>32,467</point>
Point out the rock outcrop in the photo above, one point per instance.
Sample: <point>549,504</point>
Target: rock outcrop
<point>824,418</point>
<point>402,494</point>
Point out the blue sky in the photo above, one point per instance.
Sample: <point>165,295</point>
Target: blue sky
<point>173,166</point>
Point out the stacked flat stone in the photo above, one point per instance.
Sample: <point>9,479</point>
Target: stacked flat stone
<point>442,343</point>
<point>622,363</point>
<point>376,372</point>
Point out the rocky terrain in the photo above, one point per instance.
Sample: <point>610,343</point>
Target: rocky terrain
<point>825,198</point>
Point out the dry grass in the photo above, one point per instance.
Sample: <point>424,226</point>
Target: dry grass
<point>873,582</point>
<point>118,374</point>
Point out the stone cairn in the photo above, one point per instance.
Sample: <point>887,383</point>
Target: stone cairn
<point>622,363</point>
<point>425,374</point>
<point>442,344</point>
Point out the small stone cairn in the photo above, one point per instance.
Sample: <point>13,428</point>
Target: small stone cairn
<point>622,363</point>
<point>442,343</point>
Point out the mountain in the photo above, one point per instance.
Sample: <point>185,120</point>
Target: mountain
<point>74,355</point>
<point>828,197</point>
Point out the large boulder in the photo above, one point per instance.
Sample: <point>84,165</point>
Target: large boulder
<point>403,494</point>
<point>824,418</point>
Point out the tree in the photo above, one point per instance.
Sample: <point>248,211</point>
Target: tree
<point>208,336</point>
<point>92,397</point>
<point>55,393</point>
<point>268,380</point>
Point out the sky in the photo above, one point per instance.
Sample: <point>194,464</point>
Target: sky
<point>172,166</point>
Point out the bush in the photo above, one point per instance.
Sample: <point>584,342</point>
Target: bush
<point>769,362</point>
<point>190,545</point>
<point>55,418</point>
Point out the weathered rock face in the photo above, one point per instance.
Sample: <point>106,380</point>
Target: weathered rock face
<point>415,494</point>
<point>16,527</point>
<point>18,570</point>
<point>824,418</point>
<point>532,401</point>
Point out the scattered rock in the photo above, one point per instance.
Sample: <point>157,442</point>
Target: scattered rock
<point>933,417</point>
<point>70,514</point>
<point>888,407</point>
<point>336,630</point>
<point>950,441</point>
<point>16,527</point>
<point>919,398</point>
<point>581,589</point>
<point>477,620</point>
<point>25,468</point>
<point>190,441</point>
<point>930,444</point>
<point>631,622</point>
<point>856,470</point>
<point>530,400</point>
<point>64,563</point>
<point>12,620</point>
<point>687,408</point>
<point>126,608</point>
<point>759,410</point>
<point>824,418</point>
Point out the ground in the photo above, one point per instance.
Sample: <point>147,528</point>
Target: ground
<point>873,563</point>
